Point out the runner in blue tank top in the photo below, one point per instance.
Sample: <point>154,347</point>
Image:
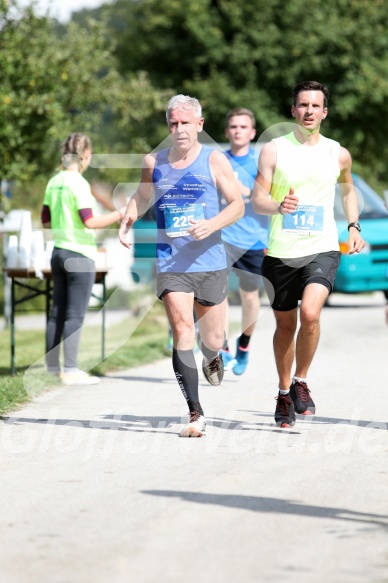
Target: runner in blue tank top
<point>191,264</point>
<point>181,194</point>
<point>246,240</point>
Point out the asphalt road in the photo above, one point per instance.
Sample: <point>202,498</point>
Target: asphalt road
<point>97,486</point>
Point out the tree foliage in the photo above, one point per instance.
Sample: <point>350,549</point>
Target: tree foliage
<point>56,82</point>
<point>230,53</point>
<point>112,75</point>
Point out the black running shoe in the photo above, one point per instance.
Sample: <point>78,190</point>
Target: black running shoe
<point>213,370</point>
<point>300,395</point>
<point>284,412</point>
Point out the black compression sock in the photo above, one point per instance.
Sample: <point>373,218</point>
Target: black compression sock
<point>209,354</point>
<point>186,373</point>
<point>195,407</point>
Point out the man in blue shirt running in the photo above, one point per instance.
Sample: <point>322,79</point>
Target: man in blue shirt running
<point>246,240</point>
<point>186,180</point>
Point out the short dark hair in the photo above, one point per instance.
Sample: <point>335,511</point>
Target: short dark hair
<point>311,86</point>
<point>240,111</point>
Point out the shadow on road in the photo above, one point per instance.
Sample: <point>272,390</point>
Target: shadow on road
<point>274,505</point>
<point>153,424</point>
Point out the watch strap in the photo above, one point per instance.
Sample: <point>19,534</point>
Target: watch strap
<point>355,225</point>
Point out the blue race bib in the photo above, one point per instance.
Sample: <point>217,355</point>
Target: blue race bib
<point>177,218</point>
<point>306,220</point>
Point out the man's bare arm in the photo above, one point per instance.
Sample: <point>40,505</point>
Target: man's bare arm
<point>262,202</point>
<point>140,201</point>
<point>349,200</point>
<point>225,181</point>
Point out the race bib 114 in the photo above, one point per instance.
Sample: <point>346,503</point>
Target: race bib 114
<point>306,220</point>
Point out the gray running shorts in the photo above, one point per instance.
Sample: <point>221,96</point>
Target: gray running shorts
<point>210,288</point>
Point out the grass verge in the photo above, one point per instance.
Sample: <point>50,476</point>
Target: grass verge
<point>134,342</point>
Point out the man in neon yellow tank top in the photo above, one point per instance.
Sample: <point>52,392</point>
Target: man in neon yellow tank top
<point>296,185</point>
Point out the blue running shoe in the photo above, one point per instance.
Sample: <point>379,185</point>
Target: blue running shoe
<point>170,345</point>
<point>242,355</point>
<point>228,359</point>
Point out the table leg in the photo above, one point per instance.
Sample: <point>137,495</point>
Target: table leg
<point>103,319</point>
<point>12,328</point>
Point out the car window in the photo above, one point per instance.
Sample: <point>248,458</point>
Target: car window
<point>370,204</point>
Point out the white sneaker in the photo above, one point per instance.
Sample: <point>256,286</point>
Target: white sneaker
<point>78,377</point>
<point>213,370</point>
<point>195,427</point>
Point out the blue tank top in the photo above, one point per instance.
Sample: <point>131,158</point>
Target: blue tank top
<point>180,194</point>
<point>251,231</point>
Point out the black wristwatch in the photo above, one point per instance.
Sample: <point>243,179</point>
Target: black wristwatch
<point>356,226</point>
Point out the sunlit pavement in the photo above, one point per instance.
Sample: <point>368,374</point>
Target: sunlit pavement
<point>97,485</point>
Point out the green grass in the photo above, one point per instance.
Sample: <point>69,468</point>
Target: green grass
<point>134,342</point>
<point>138,340</point>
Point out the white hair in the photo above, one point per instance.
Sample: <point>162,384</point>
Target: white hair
<point>184,102</point>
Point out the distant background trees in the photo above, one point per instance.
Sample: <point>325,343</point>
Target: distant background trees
<point>111,71</point>
<point>252,53</point>
<point>56,80</point>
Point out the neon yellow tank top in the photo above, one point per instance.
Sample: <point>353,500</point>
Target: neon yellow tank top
<point>66,193</point>
<point>313,172</point>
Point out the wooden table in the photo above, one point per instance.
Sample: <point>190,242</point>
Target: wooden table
<point>28,280</point>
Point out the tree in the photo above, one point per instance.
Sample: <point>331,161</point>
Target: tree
<point>229,53</point>
<point>54,83</point>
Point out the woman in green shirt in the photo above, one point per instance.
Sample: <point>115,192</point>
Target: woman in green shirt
<point>68,209</point>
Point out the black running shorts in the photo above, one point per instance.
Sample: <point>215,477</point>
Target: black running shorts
<point>246,264</point>
<point>285,279</point>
